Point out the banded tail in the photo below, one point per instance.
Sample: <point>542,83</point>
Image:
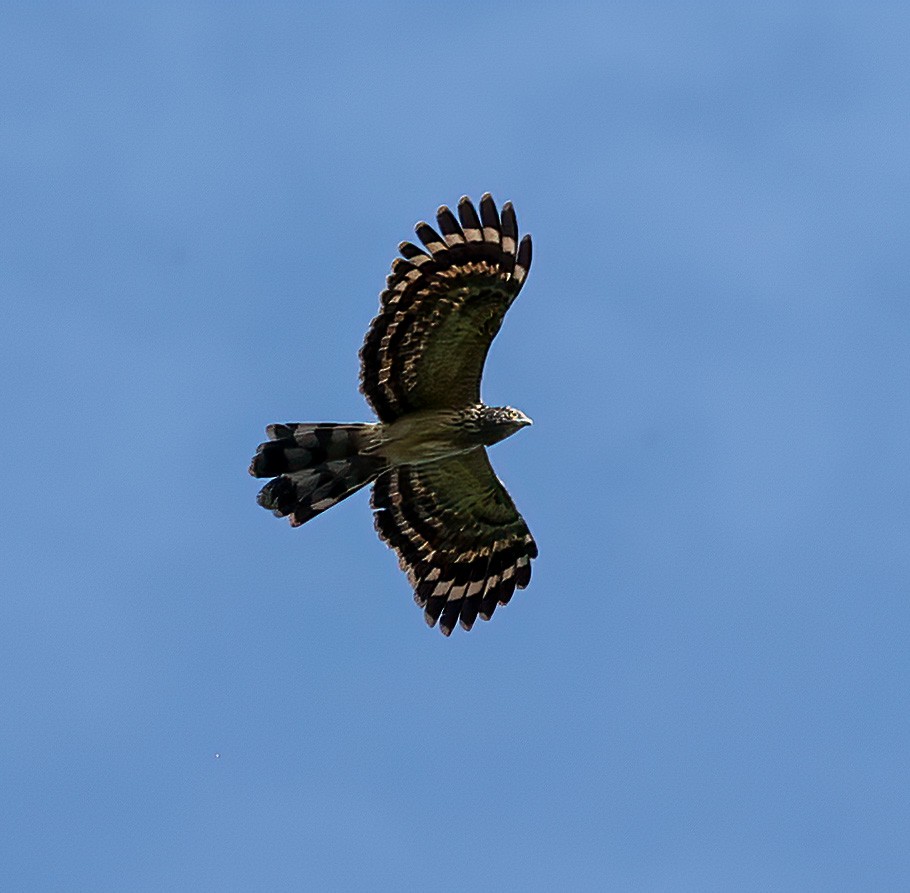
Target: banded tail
<point>314,467</point>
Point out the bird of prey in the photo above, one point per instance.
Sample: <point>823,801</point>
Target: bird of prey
<point>436,498</point>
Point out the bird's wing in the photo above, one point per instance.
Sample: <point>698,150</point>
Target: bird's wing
<point>458,536</point>
<point>441,309</point>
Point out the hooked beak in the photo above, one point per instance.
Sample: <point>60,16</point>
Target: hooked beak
<point>523,419</point>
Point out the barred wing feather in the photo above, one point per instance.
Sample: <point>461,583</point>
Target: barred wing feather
<point>458,535</point>
<point>441,309</point>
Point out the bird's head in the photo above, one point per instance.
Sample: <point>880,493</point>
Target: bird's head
<point>495,423</point>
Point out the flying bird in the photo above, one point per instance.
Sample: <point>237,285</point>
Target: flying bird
<point>436,499</point>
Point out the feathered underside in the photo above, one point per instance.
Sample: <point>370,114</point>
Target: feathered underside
<point>458,535</point>
<point>441,309</point>
<point>437,500</point>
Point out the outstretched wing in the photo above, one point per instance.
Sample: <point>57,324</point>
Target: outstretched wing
<point>441,309</point>
<point>458,536</point>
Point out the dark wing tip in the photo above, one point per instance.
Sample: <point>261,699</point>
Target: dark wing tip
<point>449,618</point>
<point>509,221</point>
<point>523,261</point>
<point>433,608</point>
<point>487,607</point>
<point>410,250</point>
<point>523,573</point>
<point>509,235</point>
<point>506,591</point>
<point>466,206</point>
<point>470,222</point>
<point>449,226</point>
<point>430,238</point>
<point>469,612</point>
<point>492,227</point>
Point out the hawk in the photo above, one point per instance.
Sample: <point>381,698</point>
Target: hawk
<point>436,498</point>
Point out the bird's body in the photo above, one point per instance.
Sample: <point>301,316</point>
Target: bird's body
<point>434,434</point>
<point>437,501</point>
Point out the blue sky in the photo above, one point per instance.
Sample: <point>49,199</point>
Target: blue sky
<point>705,686</point>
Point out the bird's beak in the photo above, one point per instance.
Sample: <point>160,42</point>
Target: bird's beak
<point>524,420</point>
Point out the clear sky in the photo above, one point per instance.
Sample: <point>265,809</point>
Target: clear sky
<point>705,686</point>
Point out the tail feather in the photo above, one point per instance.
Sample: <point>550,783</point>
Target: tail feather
<point>314,467</point>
